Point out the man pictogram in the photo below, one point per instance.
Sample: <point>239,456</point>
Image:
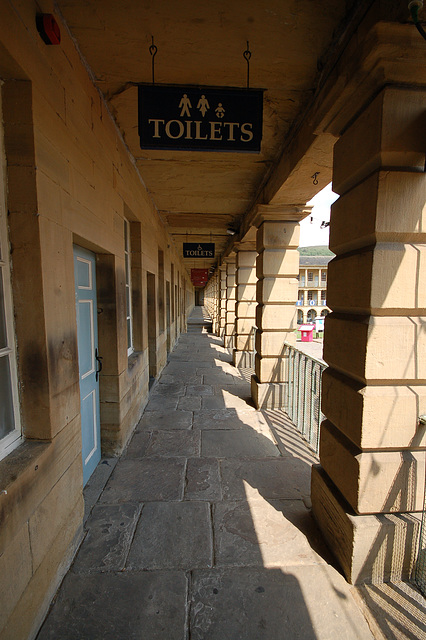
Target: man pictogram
<point>185,105</point>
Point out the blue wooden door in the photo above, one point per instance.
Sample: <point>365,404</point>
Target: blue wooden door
<point>87,339</point>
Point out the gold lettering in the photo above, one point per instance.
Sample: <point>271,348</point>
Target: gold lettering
<point>181,129</point>
<point>249,134</point>
<point>198,135</point>
<point>214,130</point>
<point>231,126</point>
<point>188,130</point>
<point>156,127</point>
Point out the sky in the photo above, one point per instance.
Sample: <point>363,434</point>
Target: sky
<point>310,232</point>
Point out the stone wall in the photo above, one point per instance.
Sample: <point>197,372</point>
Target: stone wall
<point>70,181</point>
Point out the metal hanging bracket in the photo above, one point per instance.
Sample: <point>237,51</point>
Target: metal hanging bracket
<point>247,56</point>
<point>315,177</point>
<point>153,51</point>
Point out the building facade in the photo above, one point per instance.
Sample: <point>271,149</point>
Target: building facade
<point>96,289</point>
<point>312,295</point>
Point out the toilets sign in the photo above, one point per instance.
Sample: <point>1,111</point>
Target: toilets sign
<point>200,118</point>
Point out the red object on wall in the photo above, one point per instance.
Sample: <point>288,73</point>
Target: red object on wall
<point>48,28</point>
<point>199,277</point>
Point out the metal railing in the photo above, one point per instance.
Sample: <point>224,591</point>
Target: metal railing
<point>304,394</point>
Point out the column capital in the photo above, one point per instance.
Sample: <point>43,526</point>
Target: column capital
<point>280,213</point>
<point>230,259</point>
<point>381,53</point>
<point>246,246</point>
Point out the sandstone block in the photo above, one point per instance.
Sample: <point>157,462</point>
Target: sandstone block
<point>268,395</point>
<point>245,309</point>
<point>380,348</point>
<point>276,316</point>
<point>277,234</point>
<point>375,416</point>
<point>246,292</point>
<point>388,206</point>
<point>277,290</point>
<point>277,262</point>
<point>369,548</point>
<point>244,326</point>
<point>373,481</point>
<point>246,275</point>
<point>390,276</point>
<point>271,343</point>
<point>246,259</point>
<point>389,130</point>
<point>270,369</point>
<point>244,342</point>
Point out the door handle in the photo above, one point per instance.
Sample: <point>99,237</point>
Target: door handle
<point>99,361</point>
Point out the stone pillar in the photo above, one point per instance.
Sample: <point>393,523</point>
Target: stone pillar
<point>277,268</point>
<point>222,301</point>
<point>216,302</point>
<point>372,451</point>
<point>229,335</point>
<point>245,307</point>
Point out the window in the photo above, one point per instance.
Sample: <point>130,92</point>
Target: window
<point>310,276</point>
<point>310,295</point>
<point>127,260</point>
<point>323,295</point>
<point>10,426</point>
<point>323,276</point>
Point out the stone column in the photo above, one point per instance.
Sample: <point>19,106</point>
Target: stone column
<point>229,335</point>
<point>372,450</point>
<point>245,307</point>
<point>222,300</point>
<point>277,267</point>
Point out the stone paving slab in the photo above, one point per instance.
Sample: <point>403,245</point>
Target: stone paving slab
<point>236,444</point>
<point>264,533</point>
<point>172,536</point>
<point>174,444</point>
<point>273,478</point>
<point>154,420</point>
<point>107,542</point>
<point>168,378</point>
<point>199,390</point>
<point>218,377</point>
<point>161,402</point>
<point>174,389</point>
<point>272,604</point>
<point>203,480</point>
<point>123,606</point>
<point>146,480</point>
<point>225,401</point>
<point>217,419</point>
<point>96,484</point>
<point>190,403</point>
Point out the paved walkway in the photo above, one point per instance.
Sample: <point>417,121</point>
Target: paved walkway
<point>202,529</point>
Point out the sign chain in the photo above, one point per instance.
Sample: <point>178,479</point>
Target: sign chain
<point>153,51</point>
<point>247,56</point>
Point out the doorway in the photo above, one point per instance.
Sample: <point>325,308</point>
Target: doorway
<point>89,362</point>
<point>152,327</point>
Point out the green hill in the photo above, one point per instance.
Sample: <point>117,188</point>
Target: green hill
<point>315,251</point>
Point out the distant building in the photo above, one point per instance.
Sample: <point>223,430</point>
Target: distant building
<point>312,298</point>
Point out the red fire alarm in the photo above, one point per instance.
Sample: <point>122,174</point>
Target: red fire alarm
<point>48,28</point>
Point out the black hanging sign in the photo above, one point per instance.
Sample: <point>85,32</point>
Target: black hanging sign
<point>200,118</point>
<point>198,249</point>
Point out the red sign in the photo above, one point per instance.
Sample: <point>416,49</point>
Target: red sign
<point>199,277</point>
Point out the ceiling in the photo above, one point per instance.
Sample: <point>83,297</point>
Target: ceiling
<point>200,195</point>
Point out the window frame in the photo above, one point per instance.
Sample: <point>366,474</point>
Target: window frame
<point>12,439</point>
